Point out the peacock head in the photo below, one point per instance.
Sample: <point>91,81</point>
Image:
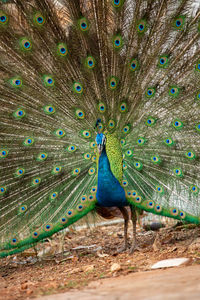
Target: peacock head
<point>101,142</point>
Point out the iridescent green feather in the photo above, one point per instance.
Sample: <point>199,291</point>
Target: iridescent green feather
<point>131,65</point>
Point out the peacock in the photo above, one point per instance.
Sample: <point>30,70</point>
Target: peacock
<point>99,110</point>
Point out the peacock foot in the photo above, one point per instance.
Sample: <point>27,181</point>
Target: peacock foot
<point>134,248</point>
<point>122,249</point>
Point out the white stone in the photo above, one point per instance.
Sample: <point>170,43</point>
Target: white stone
<point>172,262</point>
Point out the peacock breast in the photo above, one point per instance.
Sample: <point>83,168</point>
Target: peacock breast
<point>109,190</point>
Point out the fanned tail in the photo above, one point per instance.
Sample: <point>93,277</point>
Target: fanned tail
<point>134,66</point>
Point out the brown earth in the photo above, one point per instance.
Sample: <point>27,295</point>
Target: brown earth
<point>63,268</point>
<point>170,284</point>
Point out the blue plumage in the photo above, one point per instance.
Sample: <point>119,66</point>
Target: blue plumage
<point>109,191</point>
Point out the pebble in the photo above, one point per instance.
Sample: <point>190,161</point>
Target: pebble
<point>115,267</point>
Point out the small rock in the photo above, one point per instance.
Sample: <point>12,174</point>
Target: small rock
<point>102,254</point>
<point>48,251</point>
<point>88,268</point>
<point>173,262</point>
<point>115,267</point>
<point>76,270</point>
<point>29,292</point>
<point>24,286</point>
<point>195,245</point>
<point>157,244</point>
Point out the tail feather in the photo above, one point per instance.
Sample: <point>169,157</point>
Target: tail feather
<point>133,65</point>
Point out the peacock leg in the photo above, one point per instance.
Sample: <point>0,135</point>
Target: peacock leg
<point>126,219</point>
<point>134,220</point>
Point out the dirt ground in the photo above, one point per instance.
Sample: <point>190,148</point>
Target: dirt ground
<point>77,260</point>
<point>170,284</point>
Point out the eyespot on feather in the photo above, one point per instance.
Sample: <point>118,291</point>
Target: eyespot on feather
<point>49,109</point>
<point>19,114</point>
<point>42,156</point>
<point>28,142</point>
<point>62,49</point>
<point>83,24</point>
<point>3,190</point>
<point>3,18</point>
<point>38,19</point>
<point>3,153</point>
<point>60,133</point>
<point>56,170</point>
<point>78,88</point>
<point>76,171</point>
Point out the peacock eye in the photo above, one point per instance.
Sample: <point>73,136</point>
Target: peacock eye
<point>56,170</point>
<point>71,148</point>
<point>91,171</point>
<point>113,83</point>
<point>174,91</point>
<point>53,196</point>
<point>48,227</point>
<point>169,142</point>
<point>16,82</point>
<point>36,181</point>
<point>90,62</point>
<point>177,124</point>
<point>190,154</point>
<point>163,62</point>
<point>3,190</point>
<point>179,23</point>
<point>76,171</point>
<point>123,107</point>
<point>49,109</point>
<point>28,141</point>
<point>83,24</point>
<point>129,153</point>
<point>134,65</point>
<point>117,3</point>
<point>150,121</point>
<point>141,141</point>
<point>178,172</point>
<point>150,92</point>
<point>194,189</point>
<point>87,156</point>
<point>138,165</point>
<point>80,114</point>
<point>126,129</point>
<point>197,66</point>
<point>101,107</point>
<point>3,18</point>
<point>19,114</point>
<point>125,183</point>
<point>39,19</point>
<point>77,88</point>
<point>19,172</point>
<point>25,44</point>
<point>62,49</point>
<point>60,133</point>
<point>48,81</point>
<point>117,42</point>
<point>155,159</point>
<point>141,26</point>
<point>86,134</point>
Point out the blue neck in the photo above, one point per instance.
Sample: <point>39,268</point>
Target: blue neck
<point>109,191</point>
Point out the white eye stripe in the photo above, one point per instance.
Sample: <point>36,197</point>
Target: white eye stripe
<point>103,140</point>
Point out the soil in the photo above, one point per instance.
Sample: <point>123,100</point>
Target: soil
<point>81,259</point>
